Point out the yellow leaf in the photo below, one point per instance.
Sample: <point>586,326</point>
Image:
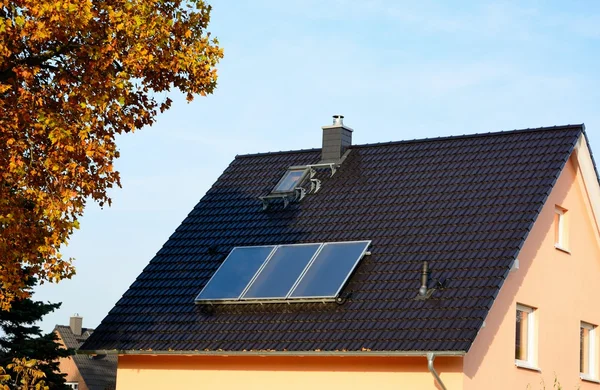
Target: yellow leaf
<point>20,21</point>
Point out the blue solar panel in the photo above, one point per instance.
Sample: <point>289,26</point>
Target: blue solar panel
<point>284,273</point>
<point>280,273</point>
<point>330,270</point>
<point>235,273</point>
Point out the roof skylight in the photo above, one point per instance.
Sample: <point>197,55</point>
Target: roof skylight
<point>290,180</point>
<point>295,272</point>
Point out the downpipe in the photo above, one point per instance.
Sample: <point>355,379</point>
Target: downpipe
<point>430,358</point>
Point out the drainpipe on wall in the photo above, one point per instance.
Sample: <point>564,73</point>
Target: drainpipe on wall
<point>430,358</point>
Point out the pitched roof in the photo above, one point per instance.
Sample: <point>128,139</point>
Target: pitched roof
<point>98,372</point>
<point>465,204</point>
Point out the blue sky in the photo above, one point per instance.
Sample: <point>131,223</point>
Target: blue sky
<point>396,71</point>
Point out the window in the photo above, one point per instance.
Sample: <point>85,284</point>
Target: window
<point>291,179</point>
<point>525,337</point>
<point>587,351</point>
<point>73,385</point>
<point>560,228</point>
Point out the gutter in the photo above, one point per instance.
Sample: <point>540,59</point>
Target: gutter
<point>430,358</point>
<point>275,353</point>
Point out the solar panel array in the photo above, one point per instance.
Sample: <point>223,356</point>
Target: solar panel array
<point>300,272</point>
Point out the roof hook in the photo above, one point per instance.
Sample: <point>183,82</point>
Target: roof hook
<point>343,298</point>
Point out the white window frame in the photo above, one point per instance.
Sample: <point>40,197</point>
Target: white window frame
<point>531,338</point>
<point>592,358</point>
<point>561,242</point>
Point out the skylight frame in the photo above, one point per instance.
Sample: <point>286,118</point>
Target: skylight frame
<point>305,172</point>
<point>287,299</point>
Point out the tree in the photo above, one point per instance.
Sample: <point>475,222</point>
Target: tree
<point>73,75</point>
<point>28,377</point>
<point>23,341</point>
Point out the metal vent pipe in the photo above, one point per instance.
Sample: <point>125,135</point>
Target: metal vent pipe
<point>424,274</point>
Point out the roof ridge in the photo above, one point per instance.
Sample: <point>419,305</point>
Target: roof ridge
<point>279,152</point>
<point>417,140</point>
<point>69,327</point>
<point>475,135</point>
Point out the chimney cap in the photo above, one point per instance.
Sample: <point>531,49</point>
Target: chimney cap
<point>338,120</point>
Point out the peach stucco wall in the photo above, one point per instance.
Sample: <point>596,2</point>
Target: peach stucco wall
<point>290,373</point>
<point>563,287</point>
<point>68,366</point>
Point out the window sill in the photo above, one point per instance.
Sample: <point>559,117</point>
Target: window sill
<point>562,249</point>
<point>587,378</point>
<point>526,365</point>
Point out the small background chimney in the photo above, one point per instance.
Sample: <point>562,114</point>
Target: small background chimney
<point>76,323</point>
<point>336,139</point>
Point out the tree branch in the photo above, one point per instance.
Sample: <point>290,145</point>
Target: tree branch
<point>36,60</point>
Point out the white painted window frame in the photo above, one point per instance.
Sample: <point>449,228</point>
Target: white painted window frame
<point>530,363</point>
<point>561,242</point>
<point>592,358</point>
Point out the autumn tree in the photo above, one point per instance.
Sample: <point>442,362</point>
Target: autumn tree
<point>73,75</point>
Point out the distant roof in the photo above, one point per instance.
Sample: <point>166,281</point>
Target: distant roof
<point>98,372</point>
<point>465,204</point>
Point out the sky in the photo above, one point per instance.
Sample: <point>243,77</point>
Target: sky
<point>396,70</point>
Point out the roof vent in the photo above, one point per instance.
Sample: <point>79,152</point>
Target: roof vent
<point>336,139</point>
<point>424,291</point>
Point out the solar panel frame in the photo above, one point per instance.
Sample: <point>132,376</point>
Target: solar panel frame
<point>341,286</point>
<point>266,263</point>
<point>288,298</point>
<point>234,300</point>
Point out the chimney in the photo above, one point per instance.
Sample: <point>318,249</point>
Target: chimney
<point>75,323</point>
<point>336,139</point>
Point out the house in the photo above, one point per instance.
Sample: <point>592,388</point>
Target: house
<point>464,262</point>
<point>85,371</point>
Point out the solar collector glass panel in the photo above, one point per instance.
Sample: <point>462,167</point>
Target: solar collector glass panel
<point>234,274</point>
<point>329,270</point>
<point>280,273</point>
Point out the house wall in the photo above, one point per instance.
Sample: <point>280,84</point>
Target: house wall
<point>290,373</point>
<point>563,287</point>
<point>68,366</point>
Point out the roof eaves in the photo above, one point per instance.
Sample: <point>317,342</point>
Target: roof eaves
<point>273,353</point>
<point>587,141</point>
